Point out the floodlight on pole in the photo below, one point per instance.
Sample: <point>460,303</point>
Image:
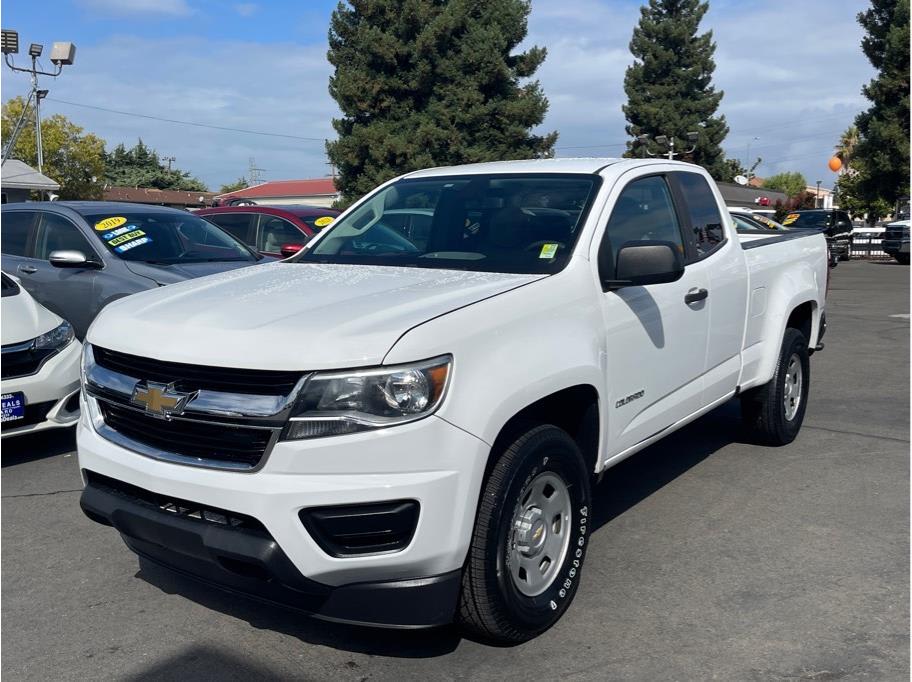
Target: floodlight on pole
<point>10,41</point>
<point>62,54</point>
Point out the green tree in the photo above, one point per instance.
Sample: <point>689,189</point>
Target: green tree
<point>851,195</point>
<point>73,158</point>
<point>793,184</point>
<point>427,83</point>
<point>141,166</point>
<point>240,183</point>
<point>848,143</point>
<point>883,145</point>
<point>669,85</point>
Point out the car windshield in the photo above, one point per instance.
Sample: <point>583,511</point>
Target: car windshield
<point>810,219</point>
<point>492,223</point>
<point>166,238</point>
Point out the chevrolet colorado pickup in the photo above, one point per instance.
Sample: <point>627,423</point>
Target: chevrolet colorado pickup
<point>403,429</point>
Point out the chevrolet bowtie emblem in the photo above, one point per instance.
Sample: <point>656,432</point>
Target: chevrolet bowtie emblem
<point>160,400</point>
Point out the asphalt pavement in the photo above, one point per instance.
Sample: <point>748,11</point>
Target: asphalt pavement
<point>712,559</point>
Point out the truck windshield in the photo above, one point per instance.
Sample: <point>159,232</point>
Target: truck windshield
<point>167,238</point>
<point>493,223</point>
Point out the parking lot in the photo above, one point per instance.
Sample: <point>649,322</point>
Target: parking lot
<point>712,558</point>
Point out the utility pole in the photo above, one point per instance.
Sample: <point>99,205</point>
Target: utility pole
<point>253,173</point>
<point>62,54</point>
<point>330,163</point>
<point>169,159</point>
<point>817,198</point>
<point>747,160</point>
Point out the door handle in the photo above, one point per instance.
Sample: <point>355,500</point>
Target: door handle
<point>695,295</point>
<point>28,269</point>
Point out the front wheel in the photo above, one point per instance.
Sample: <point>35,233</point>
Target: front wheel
<point>530,538</point>
<point>774,412</point>
<point>902,258</point>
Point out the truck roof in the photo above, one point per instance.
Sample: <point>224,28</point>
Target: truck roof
<point>579,165</point>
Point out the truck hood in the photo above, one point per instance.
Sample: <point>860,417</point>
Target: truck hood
<point>290,316</point>
<point>169,274</point>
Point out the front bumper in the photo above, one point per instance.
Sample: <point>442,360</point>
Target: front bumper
<point>52,386</point>
<point>430,461</point>
<point>251,563</point>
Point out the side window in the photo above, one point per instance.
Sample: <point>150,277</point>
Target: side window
<point>236,224</point>
<point>643,211</point>
<point>276,232</point>
<point>703,210</point>
<point>59,234</point>
<point>14,231</point>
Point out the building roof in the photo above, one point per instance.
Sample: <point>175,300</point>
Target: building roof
<point>285,188</point>
<point>145,195</point>
<point>18,175</point>
<point>739,195</point>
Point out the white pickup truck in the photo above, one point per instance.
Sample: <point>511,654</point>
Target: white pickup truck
<point>402,424</point>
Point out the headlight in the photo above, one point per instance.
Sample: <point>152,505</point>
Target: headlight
<point>336,403</point>
<point>55,339</point>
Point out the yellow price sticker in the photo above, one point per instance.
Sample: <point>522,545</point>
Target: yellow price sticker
<point>110,223</point>
<point>323,221</point>
<point>548,250</point>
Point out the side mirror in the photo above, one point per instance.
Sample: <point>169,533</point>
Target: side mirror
<point>71,259</point>
<point>290,249</point>
<point>646,262</point>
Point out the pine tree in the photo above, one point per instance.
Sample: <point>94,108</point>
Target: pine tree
<point>142,167</point>
<point>431,82</point>
<point>669,85</point>
<point>883,147</point>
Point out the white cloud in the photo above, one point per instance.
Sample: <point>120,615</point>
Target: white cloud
<point>246,9</point>
<point>278,88</point>
<point>791,72</point>
<point>164,7</point>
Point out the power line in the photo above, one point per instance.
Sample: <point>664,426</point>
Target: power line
<point>186,123</point>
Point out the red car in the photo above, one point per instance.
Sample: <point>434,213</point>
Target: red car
<point>271,230</point>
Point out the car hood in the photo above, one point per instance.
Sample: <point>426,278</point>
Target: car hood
<point>298,316</point>
<point>24,318</point>
<point>170,274</point>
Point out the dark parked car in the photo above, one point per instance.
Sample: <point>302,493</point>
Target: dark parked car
<point>896,241</point>
<point>75,257</point>
<point>835,224</point>
<point>271,230</point>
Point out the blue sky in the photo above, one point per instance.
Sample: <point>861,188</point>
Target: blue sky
<point>791,72</point>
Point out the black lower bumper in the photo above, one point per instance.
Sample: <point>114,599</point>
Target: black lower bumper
<point>249,561</point>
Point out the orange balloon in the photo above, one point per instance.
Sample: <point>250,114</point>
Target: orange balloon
<point>835,164</point>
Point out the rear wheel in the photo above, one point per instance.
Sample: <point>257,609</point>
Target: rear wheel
<point>902,258</point>
<point>773,413</point>
<point>529,543</point>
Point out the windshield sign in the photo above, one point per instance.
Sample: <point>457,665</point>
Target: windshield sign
<point>166,238</point>
<point>493,223</point>
<point>812,219</point>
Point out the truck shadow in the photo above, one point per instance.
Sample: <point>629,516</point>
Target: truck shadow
<point>622,487</point>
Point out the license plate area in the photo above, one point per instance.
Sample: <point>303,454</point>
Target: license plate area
<point>12,406</point>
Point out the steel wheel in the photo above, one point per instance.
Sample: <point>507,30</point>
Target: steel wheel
<point>540,534</point>
<point>794,378</point>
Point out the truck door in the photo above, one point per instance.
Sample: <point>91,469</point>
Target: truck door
<point>655,335</point>
<point>716,249</point>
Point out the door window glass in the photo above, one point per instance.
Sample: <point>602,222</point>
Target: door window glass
<point>236,224</point>
<point>644,211</point>
<point>276,232</point>
<point>59,234</point>
<point>14,230</point>
<point>704,212</point>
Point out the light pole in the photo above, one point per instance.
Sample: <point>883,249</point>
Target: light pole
<point>62,54</point>
<point>669,142</point>
<point>817,198</point>
<point>747,159</point>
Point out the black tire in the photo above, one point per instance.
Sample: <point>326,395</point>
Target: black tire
<point>490,605</point>
<point>763,409</point>
<point>902,258</point>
